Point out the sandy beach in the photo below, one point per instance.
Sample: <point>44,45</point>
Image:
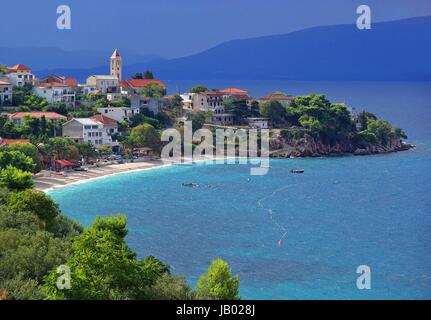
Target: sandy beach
<point>46,180</point>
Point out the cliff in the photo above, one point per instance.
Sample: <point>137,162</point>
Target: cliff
<point>307,146</point>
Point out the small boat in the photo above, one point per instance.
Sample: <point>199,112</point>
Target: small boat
<point>190,185</point>
<point>297,171</point>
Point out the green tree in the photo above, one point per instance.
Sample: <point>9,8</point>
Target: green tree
<point>37,203</point>
<point>218,283</point>
<point>15,179</point>
<point>148,75</point>
<point>59,108</point>
<point>102,265</point>
<point>18,160</point>
<point>61,148</point>
<point>145,135</point>
<point>86,149</point>
<point>122,102</point>
<point>154,90</point>
<point>198,119</point>
<point>273,110</point>
<point>29,150</point>
<point>199,89</point>
<point>138,75</point>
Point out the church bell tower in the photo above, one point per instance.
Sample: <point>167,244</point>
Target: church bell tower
<point>116,65</point>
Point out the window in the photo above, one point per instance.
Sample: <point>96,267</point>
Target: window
<point>87,127</point>
<point>94,127</point>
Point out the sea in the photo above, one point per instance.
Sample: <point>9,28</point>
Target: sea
<point>289,236</point>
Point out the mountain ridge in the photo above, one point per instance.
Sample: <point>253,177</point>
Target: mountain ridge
<point>396,50</point>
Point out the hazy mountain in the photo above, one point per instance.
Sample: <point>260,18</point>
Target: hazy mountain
<point>396,50</point>
<point>50,58</point>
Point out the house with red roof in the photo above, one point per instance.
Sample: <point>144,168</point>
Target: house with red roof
<point>281,97</point>
<point>135,85</point>
<point>19,75</point>
<point>233,91</point>
<point>110,126</point>
<point>6,142</point>
<point>18,118</point>
<point>57,89</point>
<point>5,93</point>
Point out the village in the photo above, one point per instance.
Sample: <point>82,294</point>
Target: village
<point>102,109</point>
<point>86,128</point>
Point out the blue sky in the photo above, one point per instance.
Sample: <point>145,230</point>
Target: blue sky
<point>174,28</point>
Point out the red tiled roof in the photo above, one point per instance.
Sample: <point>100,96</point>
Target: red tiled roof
<point>5,142</point>
<point>48,115</point>
<point>278,96</point>
<point>52,84</point>
<point>71,82</point>
<point>4,83</point>
<point>139,83</point>
<point>233,91</point>
<point>58,82</point>
<point>64,163</point>
<point>212,93</point>
<point>105,120</point>
<point>19,67</point>
<point>242,97</point>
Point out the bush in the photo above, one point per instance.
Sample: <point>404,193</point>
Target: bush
<point>36,202</point>
<point>218,283</point>
<point>18,160</point>
<point>29,150</point>
<point>15,179</point>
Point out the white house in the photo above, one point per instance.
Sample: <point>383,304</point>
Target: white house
<point>212,102</point>
<point>151,104</point>
<point>119,113</point>
<point>19,75</point>
<point>18,118</point>
<point>56,92</point>
<point>110,126</point>
<point>104,83</point>
<point>86,130</point>
<point>187,101</point>
<point>258,123</point>
<point>5,92</point>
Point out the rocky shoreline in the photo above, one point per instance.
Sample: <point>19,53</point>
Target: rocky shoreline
<point>308,147</point>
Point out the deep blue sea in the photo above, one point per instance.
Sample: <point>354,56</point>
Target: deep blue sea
<point>341,213</point>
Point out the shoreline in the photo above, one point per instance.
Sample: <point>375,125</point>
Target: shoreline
<point>47,183</point>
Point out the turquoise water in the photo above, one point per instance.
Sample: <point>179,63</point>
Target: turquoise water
<point>341,213</point>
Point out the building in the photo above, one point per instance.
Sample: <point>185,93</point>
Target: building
<point>187,101</point>
<point>110,126</point>
<point>70,82</point>
<point>19,75</point>
<point>223,119</point>
<point>6,142</point>
<point>5,93</point>
<point>146,104</point>
<point>208,101</point>
<point>233,91</point>
<point>212,102</point>
<point>55,92</point>
<point>281,97</point>
<point>119,113</point>
<point>18,118</point>
<point>85,130</point>
<point>116,65</point>
<point>258,123</point>
<point>104,83</point>
<point>135,86</point>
